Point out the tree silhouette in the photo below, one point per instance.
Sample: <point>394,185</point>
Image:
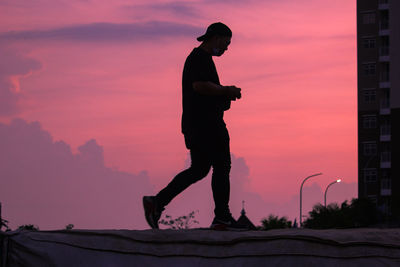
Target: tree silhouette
<point>4,223</point>
<point>30,227</point>
<point>69,226</point>
<point>274,222</point>
<point>359,213</point>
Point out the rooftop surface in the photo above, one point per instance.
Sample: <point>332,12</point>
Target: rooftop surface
<point>202,247</point>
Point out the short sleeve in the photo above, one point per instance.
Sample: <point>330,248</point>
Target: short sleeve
<point>199,69</point>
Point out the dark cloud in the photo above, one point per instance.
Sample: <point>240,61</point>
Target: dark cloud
<point>295,40</point>
<point>178,9</point>
<point>44,183</point>
<point>8,99</point>
<point>13,65</point>
<point>108,32</point>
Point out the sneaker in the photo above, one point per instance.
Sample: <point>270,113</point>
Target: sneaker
<point>228,223</point>
<point>151,211</point>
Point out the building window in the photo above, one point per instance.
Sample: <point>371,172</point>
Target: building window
<point>386,156</point>
<point>385,126</point>
<point>373,199</point>
<point>386,184</point>
<point>385,206</point>
<point>384,20</point>
<point>369,69</point>
<point>369,95</point>
<point>385,98</point>
<point>385,174</point>
<point>370,175</point>
<point>384,71</point>
<point>384,46</point>
<point>369,42</point>
<point>369,18</point>
<point>369,122</point>
<point>370,148</point>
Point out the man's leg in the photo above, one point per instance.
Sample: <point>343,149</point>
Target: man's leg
<point>200,166</point>
<point>221,162</point>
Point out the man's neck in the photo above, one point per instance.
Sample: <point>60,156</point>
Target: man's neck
<point>206,47</point>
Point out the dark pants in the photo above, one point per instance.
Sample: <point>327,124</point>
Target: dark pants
<point>206,150</point>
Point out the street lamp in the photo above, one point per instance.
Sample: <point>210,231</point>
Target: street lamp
<point>301,192</point>
<point>326,190</point>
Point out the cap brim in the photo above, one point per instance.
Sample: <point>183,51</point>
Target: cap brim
<point>201,38</point>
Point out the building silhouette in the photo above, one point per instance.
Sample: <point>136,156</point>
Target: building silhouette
<point>243,220</point>
<point>378,60</point>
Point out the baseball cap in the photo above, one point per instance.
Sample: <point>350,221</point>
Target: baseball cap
<point>217,28</point>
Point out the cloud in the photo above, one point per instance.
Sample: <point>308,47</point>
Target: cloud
<point>44,183</point>
<point>13,67</point>
<point>108,32</point>
<point>48,185</point>
<point>177,9</point>
<point>295,40</point>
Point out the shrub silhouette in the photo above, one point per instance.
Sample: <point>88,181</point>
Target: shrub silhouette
<point>69,226</point>
<point>360,213</point>
<point>274,222</point>
<point>30,227</point>
<point>182,222</point>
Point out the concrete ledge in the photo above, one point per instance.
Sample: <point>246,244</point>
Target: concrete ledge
<point>202,247</point>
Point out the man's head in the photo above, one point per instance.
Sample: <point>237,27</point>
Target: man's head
<point>217,37</point>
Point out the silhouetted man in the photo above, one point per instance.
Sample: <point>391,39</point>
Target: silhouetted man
<point>206,136</point>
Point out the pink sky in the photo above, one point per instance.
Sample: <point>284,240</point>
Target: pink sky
<point>111,71</point>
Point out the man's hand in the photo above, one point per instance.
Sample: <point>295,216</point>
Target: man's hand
<point>233,92</point>
<point>210,88</point>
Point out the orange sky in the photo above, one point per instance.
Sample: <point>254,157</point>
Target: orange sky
<point>111,71</point>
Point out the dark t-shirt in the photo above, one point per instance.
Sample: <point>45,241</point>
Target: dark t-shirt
<point>201,113</point>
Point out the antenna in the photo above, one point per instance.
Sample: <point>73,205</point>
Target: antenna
<point>243,212</point>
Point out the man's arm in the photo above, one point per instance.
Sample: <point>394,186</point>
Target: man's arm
<point>210,88</point>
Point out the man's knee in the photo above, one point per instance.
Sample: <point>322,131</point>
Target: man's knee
<point>222,168</point>
<point>201,172</point>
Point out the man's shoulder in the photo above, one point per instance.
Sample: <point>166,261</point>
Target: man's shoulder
<point>198,54</point>
<point>197,51</point>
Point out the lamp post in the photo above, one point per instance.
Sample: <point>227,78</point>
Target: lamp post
<point>301,192</point>
<point>326,190</point>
